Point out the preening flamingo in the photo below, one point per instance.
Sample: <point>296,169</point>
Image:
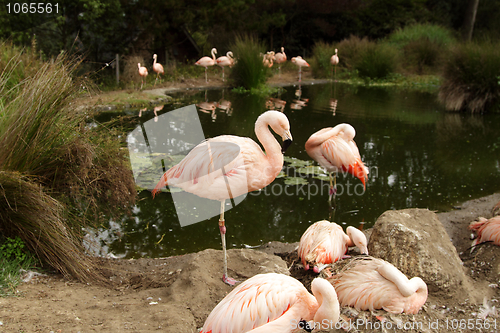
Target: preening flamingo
<point>487,230</point>
<point>368,283</point>
<point>227,60</point>
<point>207,61</point>
<point>335,150</point>
<point>325,242</point>
<point>275,303</point>
<point>301,63</point>
<point>143,72</point>
<point>232,162</point>
<point>268,60</point>
<point>334,60</point>
<point>158,68</point>
<point>280,58</point>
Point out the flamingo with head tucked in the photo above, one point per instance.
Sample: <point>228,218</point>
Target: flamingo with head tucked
<point>206,62</point>
<point>488,230</point>
<point>325,242</point>
<point>275,303</point>
<point>335,150</point>
<point>301,63</point>
<point>228,166</point>
<point>158,68</point>
<point>143,72</point>
<point>227,60</point>
<point>368,283</point>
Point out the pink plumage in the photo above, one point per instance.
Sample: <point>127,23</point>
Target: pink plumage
<point>486,230</point>
<point>157,67</point>
<point>368,283</point>
<point>301,63</point>
<point>143,72</point>
<point>224,61</point>
<point>325,242</point>
<point>227,166</point>
<point>207,61</point>
<point>335,150</point>
<point>280,57</point>
<point>273,303</point>
<point>334,60</point>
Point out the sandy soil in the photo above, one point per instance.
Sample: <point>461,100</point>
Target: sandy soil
<point>176,294</point>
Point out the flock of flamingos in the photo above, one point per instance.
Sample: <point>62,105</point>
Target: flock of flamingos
<point>272,302</point>
<point>268,60</point>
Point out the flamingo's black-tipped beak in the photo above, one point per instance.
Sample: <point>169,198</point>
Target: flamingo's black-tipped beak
<point>287,143</point>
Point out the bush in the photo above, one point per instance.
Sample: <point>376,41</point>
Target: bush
<point>376,61</point>
<point>471,77</point>
<point>248,71</point>
<point>320,62</point>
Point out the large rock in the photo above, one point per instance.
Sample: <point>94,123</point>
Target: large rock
<point>415,241</point>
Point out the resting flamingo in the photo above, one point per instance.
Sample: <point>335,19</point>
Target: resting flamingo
<point>207,61</point>
<point>227,60</point>
<point>274,303</point>
<point>143,72</point>
<point>488,230</point>
<point>368,283</point>
<point>334,60</point>
<point>232,161</point>
<point>158,68</point>
<point>280,58</point>
<point>335,150</point>
<point>325,242</point>
<point>268,60</point>
<point>301,63</point>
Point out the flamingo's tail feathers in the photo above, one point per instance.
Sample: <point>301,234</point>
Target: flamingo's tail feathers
<point>161,184</point>
<point>476,225</point>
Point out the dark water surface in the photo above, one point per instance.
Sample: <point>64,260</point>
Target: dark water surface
<point>419,156</point>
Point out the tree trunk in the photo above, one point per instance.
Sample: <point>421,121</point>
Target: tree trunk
<point>470,19</point>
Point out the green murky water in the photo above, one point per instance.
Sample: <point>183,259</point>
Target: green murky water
<point>418,156</point>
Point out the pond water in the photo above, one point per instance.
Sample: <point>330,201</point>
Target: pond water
<point>418,155</point>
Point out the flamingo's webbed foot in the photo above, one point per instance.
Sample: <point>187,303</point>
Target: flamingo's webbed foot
<point>228,280</point>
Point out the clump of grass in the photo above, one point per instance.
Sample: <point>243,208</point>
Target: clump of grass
<point>350,49</point>
<point>376,61</point>
<point>248,72</point>
<point>320,62</point>
<point>54,170</point>
<point>470,78</point>
<point>130,73</point>
<point>434,33</point>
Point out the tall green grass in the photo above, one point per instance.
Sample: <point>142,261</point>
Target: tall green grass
<point>376,61</point>
<point>471,77</point>
<point>54,170</point>
<point>248,72</point>
<point>320,62</point>
<point>424,46</point>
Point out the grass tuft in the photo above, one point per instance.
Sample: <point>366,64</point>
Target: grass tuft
<point>249,71</point>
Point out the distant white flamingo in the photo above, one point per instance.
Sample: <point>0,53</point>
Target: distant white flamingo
<point>158,68</point>
<point>207,61</point>
<point>325,242</point>
<point>274,303</point>
<point>214,169</point>
<point>368,283</point>
<point>301,63</point>
<point>280,58</point>
<point>227,60</point>
<point>143,72</point>
<point>334,60</point>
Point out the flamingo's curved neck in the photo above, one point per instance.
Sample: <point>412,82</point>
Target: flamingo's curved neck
<point>154,61</point>
<point>267,139</point>
<point>213,54</point>
<point>328,304</point>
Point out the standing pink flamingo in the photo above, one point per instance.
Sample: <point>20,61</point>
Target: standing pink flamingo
<point>248,169</point>
<point>224,61</point>
<point>143,72</point>
<point>207,61</point>
<point>335,150</point>
<point>325,242</point>
<point>280,58</point>
<point>301,63</point>
<point>334,60</point>
<point>274,303</point>
<point>368,283</point>
<point>488,230</point>
<point>158,68</point>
